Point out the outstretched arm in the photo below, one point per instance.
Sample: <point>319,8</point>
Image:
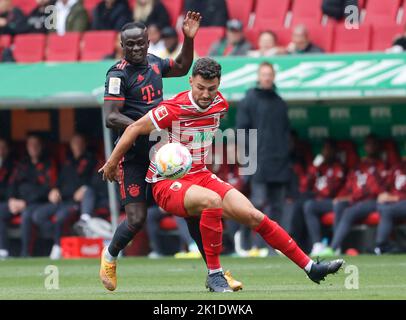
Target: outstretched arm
<point>142,126</point>
<point>184,60</point>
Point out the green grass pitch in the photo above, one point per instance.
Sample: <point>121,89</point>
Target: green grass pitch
<point>141,278</point>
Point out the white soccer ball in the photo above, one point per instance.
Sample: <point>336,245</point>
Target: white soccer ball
<point>173,161</point>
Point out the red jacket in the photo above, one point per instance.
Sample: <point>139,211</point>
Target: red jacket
<point>326,180</point>
<point>366,181</point>
<point>396,181</point>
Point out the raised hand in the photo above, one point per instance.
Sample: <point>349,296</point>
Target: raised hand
<point>191,24</point>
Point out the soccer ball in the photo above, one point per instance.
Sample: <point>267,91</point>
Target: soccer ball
<point>173,161</point>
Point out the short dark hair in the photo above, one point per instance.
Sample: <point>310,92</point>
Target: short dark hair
<point>133,25</point>
<point>266,64</point>
<point>207,68</point>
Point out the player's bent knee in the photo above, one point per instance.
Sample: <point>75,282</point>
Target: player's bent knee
<point>255,217</point>
<point>136,218</point>
<point>210,201</point>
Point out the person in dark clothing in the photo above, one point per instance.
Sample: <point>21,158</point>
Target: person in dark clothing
<point>30,184</point>
<point>12,19</point>
<point>301,42</point>
<point>71,192</point>
<point>111,15</point>
<point>399,43</point>
<point>151,12</point>
<point>36,20</point>
<point>336,8</point>
<point>6,167</point>
<point>264,110</point>
<point>234,43</point>
<point>214,12</point>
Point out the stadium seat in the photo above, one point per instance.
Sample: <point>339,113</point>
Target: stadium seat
<point>206,37</point>
<point>89,5</point>
<point>29,47</point>
<point>383,36</point>
<point>380,12</point>
<point>403,22</point>
<point>168,223</point>
<point>371,220</point>
<point>322,36</point>
<point>5,40</point>
<point>25,5</point>
<point>174,8</point>
<point>352,40</point>
<point>306,12</point>
<point>240,9</point>
<point>271,13</point>
<point>97,44</point>
<point>63,48</point>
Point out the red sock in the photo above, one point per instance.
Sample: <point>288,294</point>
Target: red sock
<point>211,229</point>
<point>279,239</point>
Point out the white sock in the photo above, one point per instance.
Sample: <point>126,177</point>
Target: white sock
<point>308,266</point>
<point>211,271</point>
<point>85,217</point>
<point>108,256</point>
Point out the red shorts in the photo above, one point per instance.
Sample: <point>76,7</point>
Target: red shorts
<point>170,194</point>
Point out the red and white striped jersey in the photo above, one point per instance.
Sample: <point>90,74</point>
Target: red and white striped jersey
<point>188,124</point>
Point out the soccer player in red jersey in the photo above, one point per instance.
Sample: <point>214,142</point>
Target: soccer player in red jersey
<point>191,118</point>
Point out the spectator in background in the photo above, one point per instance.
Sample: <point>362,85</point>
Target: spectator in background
<point>12,19</point>
<point>71,192</point>
<point>70,16</point>
<point>214,12</point>
<point>30,184</point>
<point>6,167</point>
<point>267,45</point>
<point>391,206</point>
<point>156,44</point>
<point>399,44</point>
<point>336,8</point>
<point>325,179</point>
<point>111,15</point>
<point>301,42</point>
<point>151,12</point>
<point>234,43</point>
<point>171,43</point>
<point>118,50</point>
<point>358,197</point>
<point>37,18</point>
<point>264,110</point>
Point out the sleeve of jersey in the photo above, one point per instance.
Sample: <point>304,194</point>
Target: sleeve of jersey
<point>163,116</point>
<point>114,86</point>
<point>166,65</point>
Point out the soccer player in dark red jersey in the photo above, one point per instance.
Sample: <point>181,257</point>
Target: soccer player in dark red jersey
<point>191,118</point>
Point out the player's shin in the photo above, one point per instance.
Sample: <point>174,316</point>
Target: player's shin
<point>212,234</point>
<point>279,239</point>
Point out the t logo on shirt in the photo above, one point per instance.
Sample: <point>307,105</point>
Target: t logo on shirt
<point>148,93</point>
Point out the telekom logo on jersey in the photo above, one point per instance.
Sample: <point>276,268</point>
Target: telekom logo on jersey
<point>211,146</point>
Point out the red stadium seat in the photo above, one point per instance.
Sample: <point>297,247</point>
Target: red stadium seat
<point>174,8</point>
<point>352,40</point>
<point>307,12</point>
<point>29,47</point>
<point>97,44</point>
<point>240,9</point>
<point>404,13</point>
<point>371,220</point>
<point>322,36</point>
<point>25,5</point>
<point>168,223</point>
<point>63,48</point>
<point>5,41</point>
<point>383,36</point>
<point>380,12</point>
<point>271,13</point>
<point>206,37</point>
<point>90,5</point>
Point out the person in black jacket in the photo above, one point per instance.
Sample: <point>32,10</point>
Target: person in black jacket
<point>336,8</point>
<point>214,12</point>
<point>151,12</point>
<point>30,184</point>
<point>264,110</point>
<point>12,19</point>
<point>72,192</point>
<point>111,15</point>
<point>6,166</point>
<point>36,20</point>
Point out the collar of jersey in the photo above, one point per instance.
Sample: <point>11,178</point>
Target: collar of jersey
<point>195,104</point>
